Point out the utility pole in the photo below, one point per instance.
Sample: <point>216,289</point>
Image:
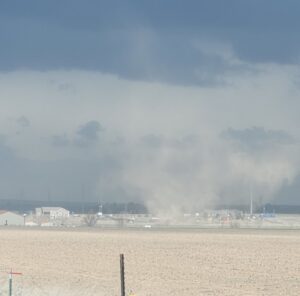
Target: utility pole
<point>82,199</point>
<point>122,274</point>
<point>251,203</point>
<point>251,207</point>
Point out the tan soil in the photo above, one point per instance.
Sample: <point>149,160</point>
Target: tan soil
<point>159,263</point>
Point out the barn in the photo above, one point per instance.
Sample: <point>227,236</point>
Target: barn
<point>9,218</point>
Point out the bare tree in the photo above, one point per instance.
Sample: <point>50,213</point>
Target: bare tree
<point>90,219</point>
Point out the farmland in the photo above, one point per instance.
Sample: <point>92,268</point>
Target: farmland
<point>158,262</point>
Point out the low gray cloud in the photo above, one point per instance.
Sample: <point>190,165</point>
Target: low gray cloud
<point>23,121</point>
<point>67,178</point>
<point>6,153</point>
<point>161,143</point>
<point>152,141</point>
<point>162,171</point>
<point>258,137</point>
<point>289,192</point>
<point>60,140</point>
<point>88,133</point>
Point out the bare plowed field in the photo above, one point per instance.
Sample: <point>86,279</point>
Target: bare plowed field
<point>159,263</point>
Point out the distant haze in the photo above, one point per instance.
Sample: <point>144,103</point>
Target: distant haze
<point>171,103</point>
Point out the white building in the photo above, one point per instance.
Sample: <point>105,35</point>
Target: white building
<point>11,219</point>
<point>52,212</point>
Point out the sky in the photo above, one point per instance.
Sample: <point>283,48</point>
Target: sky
<point>173,103</point>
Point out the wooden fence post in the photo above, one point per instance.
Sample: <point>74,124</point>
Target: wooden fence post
<point>122,274</point>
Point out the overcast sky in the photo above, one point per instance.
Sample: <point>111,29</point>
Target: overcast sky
<point>169,102</point>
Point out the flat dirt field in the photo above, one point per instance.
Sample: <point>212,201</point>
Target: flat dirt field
<point>161,263</point>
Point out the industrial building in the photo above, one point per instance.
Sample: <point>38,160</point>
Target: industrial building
<point>52,212</point>
<point>10,219</point>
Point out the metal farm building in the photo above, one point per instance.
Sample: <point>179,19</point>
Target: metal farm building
<point>10,219</point>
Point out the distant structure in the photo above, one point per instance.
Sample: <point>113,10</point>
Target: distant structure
<point>52,212</point>
<point>8,218</point>
<point>100,211</point>
<point>251,202</point>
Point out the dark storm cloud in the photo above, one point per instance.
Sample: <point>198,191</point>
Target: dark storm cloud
<point>150,40</point>
<point>148,146</point>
